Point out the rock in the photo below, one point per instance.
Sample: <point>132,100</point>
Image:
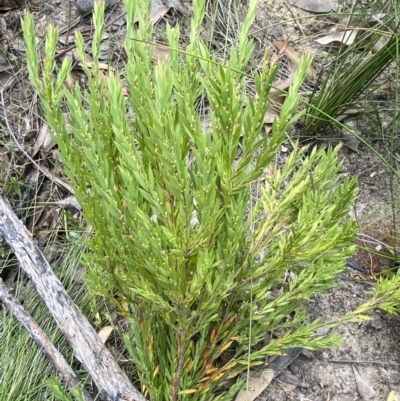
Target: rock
<point>86,6</point>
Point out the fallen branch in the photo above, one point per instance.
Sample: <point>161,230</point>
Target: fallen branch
<point>42,340</point>
<point>369,362</point>
<point>87,346</point>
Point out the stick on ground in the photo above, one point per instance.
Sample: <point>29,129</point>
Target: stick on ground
<point>42,340</point>
<point>83,339</point>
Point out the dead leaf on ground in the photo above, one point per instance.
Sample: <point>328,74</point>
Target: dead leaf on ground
<point>67,39</point>
<point>359,26</point>
<point>276,97</point>
<point>287,388</point>
<point>44,221</point>
<point>73,54</point>
<point>161,52</point>
<point>175,4</point>
<point>104,333</point>
<point>5,166</point>
<point>345,37</point>
<point>58,181</point>
<point>293,56</point>
<point>393,396</point>
<point>282,44</point>
<point>102,66</point>
<point>349,139</point>
<point>44,141</point>
<point>258,382</point>
<point>158,11</point>
<point>68,202</point>
<point>354,21</point>
<point>364,388</point>
<point>315,6</point>
<point>4,64</point>
<point>7,79</point>
<point>284,83</point>
<point>380,43</point>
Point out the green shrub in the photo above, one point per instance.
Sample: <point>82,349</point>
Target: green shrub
<point>200,267</point>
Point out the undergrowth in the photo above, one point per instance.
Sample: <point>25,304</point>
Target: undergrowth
<point>199,271</point>
<point>198,274</point>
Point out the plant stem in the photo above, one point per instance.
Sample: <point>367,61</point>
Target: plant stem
<point>178,375</point>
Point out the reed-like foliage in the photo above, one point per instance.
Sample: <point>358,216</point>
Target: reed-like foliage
<point>357,70</point>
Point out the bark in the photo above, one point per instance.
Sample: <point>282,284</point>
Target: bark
<point>42,340</point>
<point>87,346</point>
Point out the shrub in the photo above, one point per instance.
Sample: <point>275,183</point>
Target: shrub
<point>200,267</point>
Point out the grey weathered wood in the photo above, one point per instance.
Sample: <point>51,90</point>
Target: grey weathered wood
<point>87,346</point>
<point>42,340</point>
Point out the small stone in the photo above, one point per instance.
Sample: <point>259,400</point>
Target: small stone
<point>322,332</point>
<point>376,323</point>
<point>325,355</point>
<point>307,353</point>
<point>296,367</point>
<point>86,6</point>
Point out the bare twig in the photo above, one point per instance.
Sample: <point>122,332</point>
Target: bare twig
<point>295,19</point>
<point>364,362</point>
<point>87,346</point>
<point>42,340</point>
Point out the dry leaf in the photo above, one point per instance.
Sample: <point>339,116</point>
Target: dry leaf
<point>393,396</point>
<point>104,333</point>
<point>69,201</point>
<point>349,36</point>
<point>69,82</point>
<point>345,37</point>
<point>364,388</point>
<point>67,40</point>
<point>5,165</point>
<point>161,52</point>
<point>284,83</point>
<point>205,121</point>
<point>270,116</point>
<point>276,97</point>
<point>102,66</point>
<point>350,140</point>
<point>7,79</point>
<point>293,56</point>
<point>89,61</point>
<point>315,6</point>
<point>381,42</point>
<point>282,44</point>
<point>4,64</point>
<point>351,22</point>
<point>175,4</point>
<point>44,221</point>
<point>258,382</point>
<point>356,22</point>
<point>287,388</point>
<point>43,141</point>
<point>157,13</point>
<point>58,181</point>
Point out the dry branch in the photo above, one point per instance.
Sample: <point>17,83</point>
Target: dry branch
<point>87,346</point>
<point>42,340</point>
